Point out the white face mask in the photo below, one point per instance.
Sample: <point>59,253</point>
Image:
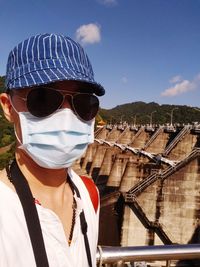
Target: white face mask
<point>56,141</point>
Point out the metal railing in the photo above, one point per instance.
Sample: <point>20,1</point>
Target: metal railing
<point>171,170</point>
<point>153,136</point>
<point>113,255</point>
<point>141,186</point>
<point>137,134</point>
<point>180,135</point>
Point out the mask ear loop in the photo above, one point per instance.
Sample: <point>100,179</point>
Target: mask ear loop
<point>13,105</point>
<point>16,135</point>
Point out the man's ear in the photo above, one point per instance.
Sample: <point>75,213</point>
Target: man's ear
<point>6,106</point>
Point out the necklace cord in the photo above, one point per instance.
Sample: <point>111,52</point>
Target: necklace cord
<point>74,207</point>
<point>84,226</point>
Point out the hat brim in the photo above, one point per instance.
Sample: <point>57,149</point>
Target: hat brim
<point>40,77</point>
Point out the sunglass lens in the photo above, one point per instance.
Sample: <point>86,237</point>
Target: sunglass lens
<point>86,106</point>
<point>42,102</point>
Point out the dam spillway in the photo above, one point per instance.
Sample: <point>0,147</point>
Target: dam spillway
<point>149,181</point>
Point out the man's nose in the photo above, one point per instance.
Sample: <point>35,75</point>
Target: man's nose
<point>67,102</point>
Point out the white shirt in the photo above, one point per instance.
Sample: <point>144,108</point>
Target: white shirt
<point>15,244</point>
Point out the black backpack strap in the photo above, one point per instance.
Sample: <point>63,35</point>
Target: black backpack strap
<point>32,220</point>
<point>84,225</point>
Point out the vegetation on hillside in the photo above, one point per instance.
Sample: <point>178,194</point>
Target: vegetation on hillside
<point>143,113</point>
<point>6,135</point>
<point>2,81</point>
<point>6,138</point>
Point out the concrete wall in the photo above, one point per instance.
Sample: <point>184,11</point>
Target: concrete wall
<point>184,147</point>
<point>159,144</point>
<point>174,203</point>
<point>141,139</point>
<point>180,205</point>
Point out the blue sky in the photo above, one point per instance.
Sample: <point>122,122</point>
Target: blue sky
<point>141,50</point>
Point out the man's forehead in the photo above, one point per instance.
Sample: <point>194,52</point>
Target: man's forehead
<point>67,85</point>
<point>74,86</point>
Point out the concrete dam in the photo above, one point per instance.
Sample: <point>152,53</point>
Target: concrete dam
<point>149,182</point>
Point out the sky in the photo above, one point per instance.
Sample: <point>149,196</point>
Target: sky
<point>141,50</point>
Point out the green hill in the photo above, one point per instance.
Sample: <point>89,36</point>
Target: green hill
<point>142,113</point>
<point>2,80</point>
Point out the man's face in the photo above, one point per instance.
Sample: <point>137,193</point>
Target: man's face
<point>18,102</point>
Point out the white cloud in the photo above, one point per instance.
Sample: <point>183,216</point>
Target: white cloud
<point>176,79</point>
<point>179,88</point>
<point>182,86</point>
<point>108,2</point>
<point>89,33</point>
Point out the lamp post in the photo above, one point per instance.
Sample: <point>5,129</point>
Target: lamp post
<point>111,120</point>
<point>151,116</point>
<point>134,120</point>
<point>121,119</point>
<point>171,116</point>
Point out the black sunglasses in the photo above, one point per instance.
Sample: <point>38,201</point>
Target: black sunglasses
<point>44,101</point>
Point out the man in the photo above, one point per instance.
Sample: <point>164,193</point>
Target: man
<point>51,100</point>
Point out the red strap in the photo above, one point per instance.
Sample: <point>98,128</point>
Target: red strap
<point>91,187</point>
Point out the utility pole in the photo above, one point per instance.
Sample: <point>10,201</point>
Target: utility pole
<point>171,116</point>
<point>134,120</point>
<point>121,119</point>
<point>151,118</point>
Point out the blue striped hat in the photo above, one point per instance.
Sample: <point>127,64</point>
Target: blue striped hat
<point>47,58</point>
